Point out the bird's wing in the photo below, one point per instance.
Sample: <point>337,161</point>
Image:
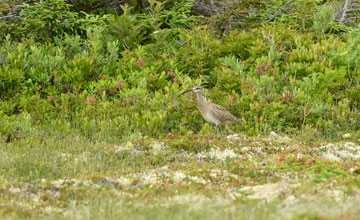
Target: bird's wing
<point>224,115</point>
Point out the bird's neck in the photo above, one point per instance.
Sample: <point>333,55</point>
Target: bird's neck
<point>200,99</point>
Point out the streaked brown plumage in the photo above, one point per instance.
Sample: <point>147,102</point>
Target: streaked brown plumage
<point>212,113</point>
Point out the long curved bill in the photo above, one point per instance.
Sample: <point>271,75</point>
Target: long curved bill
<point>189,90</point>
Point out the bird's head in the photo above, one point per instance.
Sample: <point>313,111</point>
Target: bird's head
<point>196,89</point>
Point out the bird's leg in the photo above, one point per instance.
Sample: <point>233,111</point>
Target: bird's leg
<point>215,131</point>
<point>220,132</point>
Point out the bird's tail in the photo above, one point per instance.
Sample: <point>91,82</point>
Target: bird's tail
<point>238,120</point>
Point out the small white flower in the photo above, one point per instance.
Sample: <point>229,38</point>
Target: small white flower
<point>178,176</point>
<point>157,147</point>
<point>233,137</point>
<point>213,175</point>
<point>330,156</point>
<point>199,180</point>
<point>216,153</point>
<point>299,156</point>
<point>123,181</point>
<point>347,135</point>
<point>14,190</point>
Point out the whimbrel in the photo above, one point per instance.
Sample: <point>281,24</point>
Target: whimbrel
<point>212,113</point>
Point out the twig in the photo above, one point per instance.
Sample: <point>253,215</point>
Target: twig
<point>276,13</point>
<point>354,9</point>
<point>345,11</point>
<point>10,16</point>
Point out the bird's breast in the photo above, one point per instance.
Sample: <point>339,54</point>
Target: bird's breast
<point>209,117</point>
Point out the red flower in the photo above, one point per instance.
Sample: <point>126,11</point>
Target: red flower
<point>175,80</point>
<point>170,73</point>
<point>51,97</point>
<point>140,62</point>
<point>266,65</point>
<point>66,86</point>
<point>91,99</point>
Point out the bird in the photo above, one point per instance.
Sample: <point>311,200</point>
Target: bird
<point>212,113</point>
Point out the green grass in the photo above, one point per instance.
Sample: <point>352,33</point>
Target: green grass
<point>182,177</point>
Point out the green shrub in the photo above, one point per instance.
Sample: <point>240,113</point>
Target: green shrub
<point>116,78</point>
<point>47,19</point>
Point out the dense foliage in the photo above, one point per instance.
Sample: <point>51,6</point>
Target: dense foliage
<point>284,67</point>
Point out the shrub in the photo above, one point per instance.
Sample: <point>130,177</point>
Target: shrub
<point>119,77</point>
<point>50,18</point>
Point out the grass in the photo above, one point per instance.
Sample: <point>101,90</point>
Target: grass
<point>179,177</point>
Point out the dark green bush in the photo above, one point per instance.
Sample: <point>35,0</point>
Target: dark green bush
<point>47,19</point>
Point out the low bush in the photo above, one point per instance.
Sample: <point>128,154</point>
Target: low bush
<point>115,77</point>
